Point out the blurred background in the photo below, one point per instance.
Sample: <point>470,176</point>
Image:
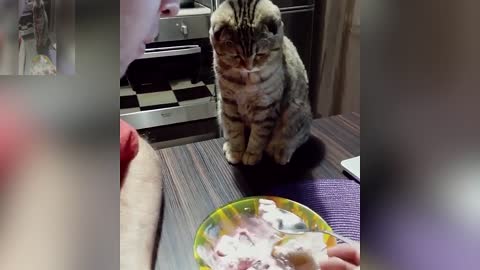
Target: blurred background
<point>8,37</point>
<point>421,154</point>
<point>59,203</point>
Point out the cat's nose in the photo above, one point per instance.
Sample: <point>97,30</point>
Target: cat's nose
<point>249,65</point>
<point>169,8</point>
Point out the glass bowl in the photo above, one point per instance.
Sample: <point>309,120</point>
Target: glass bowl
<point>224,221</point>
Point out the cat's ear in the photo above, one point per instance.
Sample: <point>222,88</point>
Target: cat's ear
<point>220,32</point>
<point>272,25</point>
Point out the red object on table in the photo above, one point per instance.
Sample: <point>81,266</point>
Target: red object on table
<point>128,148</point>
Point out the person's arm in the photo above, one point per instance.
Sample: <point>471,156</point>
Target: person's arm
<point>140,202</point>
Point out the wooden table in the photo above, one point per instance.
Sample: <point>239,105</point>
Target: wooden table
<point>198,179</point>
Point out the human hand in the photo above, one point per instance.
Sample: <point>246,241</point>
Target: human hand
<point>342,257</point>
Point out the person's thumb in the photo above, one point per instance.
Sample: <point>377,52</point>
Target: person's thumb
<point>335,263</point>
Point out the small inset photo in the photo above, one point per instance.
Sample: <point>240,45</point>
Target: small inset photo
<point>37,53</point>
<point>37,37</point>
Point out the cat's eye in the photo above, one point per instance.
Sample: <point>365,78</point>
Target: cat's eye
<point>237,57</point>
<point>259,55</point>
<point>228,43</point>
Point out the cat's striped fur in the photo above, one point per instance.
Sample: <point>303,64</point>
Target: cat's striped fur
<point>262,81</point>
<point>40,25</point>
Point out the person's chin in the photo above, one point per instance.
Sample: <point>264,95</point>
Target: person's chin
<point>141,50</point>
<point>134,54</point>
<point>123,66</point>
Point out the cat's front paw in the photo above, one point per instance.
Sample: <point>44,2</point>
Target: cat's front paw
<point>233,157</point>
<point>280,154</point>
<point>251,158</point>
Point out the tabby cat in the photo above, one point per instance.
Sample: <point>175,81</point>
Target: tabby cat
<point>262,82</point>
<point>40,25</point>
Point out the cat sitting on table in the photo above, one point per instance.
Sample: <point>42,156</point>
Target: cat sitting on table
<point>262,82</point>
<point>40,25</point>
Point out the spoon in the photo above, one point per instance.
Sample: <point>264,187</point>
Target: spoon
<point>296,226</point>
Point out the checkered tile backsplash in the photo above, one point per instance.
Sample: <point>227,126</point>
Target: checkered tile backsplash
<point>165,95</point>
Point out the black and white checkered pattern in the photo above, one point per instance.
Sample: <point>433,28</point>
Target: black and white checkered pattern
<point>25,24</point>
<point>165,95</point>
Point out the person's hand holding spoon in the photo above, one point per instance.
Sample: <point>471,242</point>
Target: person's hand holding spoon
<point>342,257</point>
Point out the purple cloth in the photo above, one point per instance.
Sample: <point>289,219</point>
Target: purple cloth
<point>337,201</point>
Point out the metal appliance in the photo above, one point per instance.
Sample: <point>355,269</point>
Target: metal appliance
<point>173,81</point>
<point>187,3</point>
